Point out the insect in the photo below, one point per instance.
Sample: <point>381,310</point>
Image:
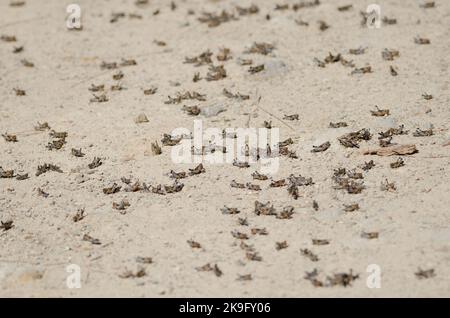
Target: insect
<point>389,55</point>
<point>150,91</point>
<point>7,225</point>
<point>77,153</point>
<point>260,48</point>
<point>177,175</point>
<point>121,206</point>
<point>370,235</point>
<point>338,125</point>
<point>380,112</point>
<point>91,240</point>
<point>246,277</point>
<point>424,274</point>
<point>264,208</point>
<point>421,41</point>
<point>388,186</point>
<point>281,245</point>
<point>309,254</point>
<point>256,231</point>
<point>320,242</point>
<point>351,207</point>
<point>230,211</point>
<point>397,164</point>
<point>130,274</point>
<point>6,174</point>
<point>112,189</point>
<point>323,147</point>
<point>96,162</point>
<point>315,205</point>
<point>256,69</point>
<point>423,133</point>
<point>144,260</point>
<point>239,235</point>
<point>286,214</point>
<point>78,216</point>
<point>47,167</point>
<point>197,170</point>
<point>9,137</point>
<point>192,110</point>
<point>194,244</point>
<point>156,149</point>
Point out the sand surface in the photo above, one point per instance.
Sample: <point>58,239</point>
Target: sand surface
<point>412,221</point>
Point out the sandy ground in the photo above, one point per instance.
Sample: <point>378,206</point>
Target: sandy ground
<point>412,221</point>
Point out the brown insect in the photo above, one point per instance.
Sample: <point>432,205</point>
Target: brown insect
<point>237,185</point>
<point>291,117</point>
<point>323,147</point>
<point>91,240</point>
<point>240,236</point>
<point>7,225</point>
<point>256,69</point>
<point>47,167</point>
<point>351,207</point>
<point>264,208</point>
<point>243,221</point>
<point>286,214</point>
<point>424,274</point>
<point>393,70</point>
<point>96,162</point>
<point>323,26</point>
<point>351,140</point>
<point>9,137</point>
<point>150,91</point>
<point>389,55</point>
<point>130,274</point>
<point>309,254</point>
<point>216,73</point>
<point>278,183</point>
<point>99,98</point>
<point>370,235</point>
<point>345,7</point>
<point>197,170</point>
<point>423,133</point>
<point>388,186</point>
<point>257,176</point>
<point>79,216</point>
<point>42,193</point>
<point>397,164</point>
<point>281,245</point>
<point>246,277</point>
<point>380,112</point>
<point>194,244</point>
<point>156,149</point>
<point>144,260</point>
<point>338,125</point>
<point>192,110</point>
<point>42,127</point>
<point>427,96</point>
<point>77,153</point>
<point>230,211</point>
<point>6,174</point>
<point>362,70</point>
<point>27,63</point>
<point>177,175</point>
<point>239,164</point>
<point>320,242</point>
<point>224,55</point>
<point>121,206</point>
<point>421,41</point>
<point>20,92</point>
<point>256,231</point>
<point>315,205</point>
<point>112,189</point>
<point>253,256</point>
